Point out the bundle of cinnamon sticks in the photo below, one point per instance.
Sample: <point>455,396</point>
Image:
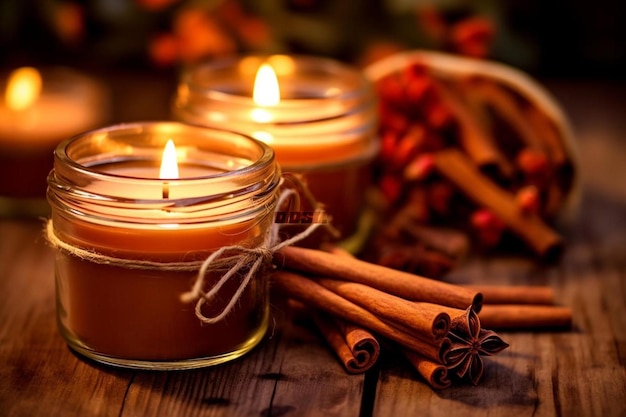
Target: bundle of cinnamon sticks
<point>437,325</point>
<point>469,153</point>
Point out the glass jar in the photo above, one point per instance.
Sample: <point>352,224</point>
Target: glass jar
<point>323,127</point>
<point>129,244</point>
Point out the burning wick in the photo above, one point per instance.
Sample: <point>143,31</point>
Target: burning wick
<point>169,167</point>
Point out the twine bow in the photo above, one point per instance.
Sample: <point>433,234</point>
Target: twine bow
<point>250,259</point>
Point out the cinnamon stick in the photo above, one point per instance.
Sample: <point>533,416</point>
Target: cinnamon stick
<point>408,286</point>
<point>318,297</point>
<point>473,137</point>
<point>463,173</point>
<point>356,348</point>
<point>424,320</point>
<point>503,103</point>
<point>555,198</point>
<point>548,132</point>
<point>535,317</point>
<point>517,294</point>
<point>434,373</point>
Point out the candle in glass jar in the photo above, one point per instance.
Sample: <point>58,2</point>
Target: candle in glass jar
<point>123,305</point>
<point>38,110</point>
<point>317,114</point>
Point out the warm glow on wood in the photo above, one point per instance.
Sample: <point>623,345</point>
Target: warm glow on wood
<point>23,88</point>
<point>169,164</point>
<point>266,90</point>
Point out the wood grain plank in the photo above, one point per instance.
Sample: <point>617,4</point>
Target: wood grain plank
<point>290,373</point>
<point>240,388</point>
<point>505,390</point>
<point>316,382</point>
<point>39,376</point>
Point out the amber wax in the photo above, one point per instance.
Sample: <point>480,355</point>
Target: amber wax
<point>130,241</point>
<point>319,116</point>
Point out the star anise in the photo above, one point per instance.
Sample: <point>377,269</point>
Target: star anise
<point>469,343</point>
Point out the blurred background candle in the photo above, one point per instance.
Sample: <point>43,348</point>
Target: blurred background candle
<point>109,196</point>
<point>319,116</point>
<point>39,109</point>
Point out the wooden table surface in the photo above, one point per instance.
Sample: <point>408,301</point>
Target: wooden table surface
<point>581,372</point>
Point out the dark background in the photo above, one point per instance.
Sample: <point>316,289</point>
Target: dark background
<point>555,38</point>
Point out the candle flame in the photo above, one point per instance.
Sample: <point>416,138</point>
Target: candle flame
<point>266,89</point>
<point>23,88</point>
<point>169,164</point>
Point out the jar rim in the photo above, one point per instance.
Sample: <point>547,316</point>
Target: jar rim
<point>242,177</point>
<point>61,152</point>
<point>193,77</point>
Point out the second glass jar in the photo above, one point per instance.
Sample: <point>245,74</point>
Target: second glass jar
<point>323,127</point>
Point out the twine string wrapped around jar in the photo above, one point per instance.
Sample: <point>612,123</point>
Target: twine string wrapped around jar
<point>242,258</point>
<point>233,259</point>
